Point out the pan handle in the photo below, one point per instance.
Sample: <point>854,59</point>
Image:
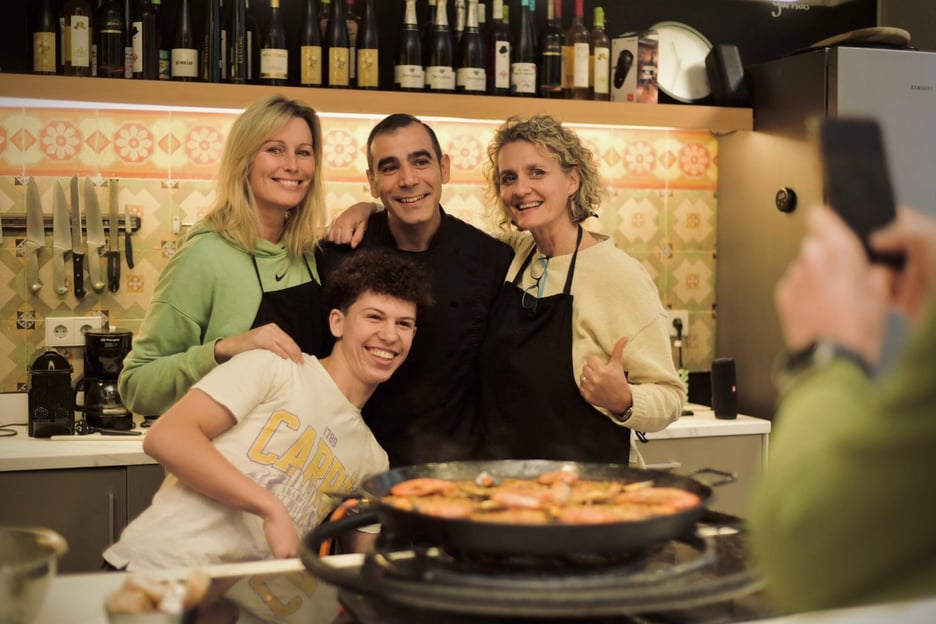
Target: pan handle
<point>726,477</point>
<point>309,550</point>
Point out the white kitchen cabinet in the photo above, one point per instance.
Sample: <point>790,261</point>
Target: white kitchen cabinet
<point>699,441</point>
<point>89,507</point>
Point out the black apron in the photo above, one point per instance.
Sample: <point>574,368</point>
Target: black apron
<point>298,310</point>
<point>530,405</point>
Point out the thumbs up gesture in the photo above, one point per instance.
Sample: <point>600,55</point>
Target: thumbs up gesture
<point>604,384</point>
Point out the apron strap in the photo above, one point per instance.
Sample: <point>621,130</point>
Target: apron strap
<point>568,284</point>
<point>526,263</point>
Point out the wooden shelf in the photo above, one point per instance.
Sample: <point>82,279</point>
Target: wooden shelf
<point>203,95</point>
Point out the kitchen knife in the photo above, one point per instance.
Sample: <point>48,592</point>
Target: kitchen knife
<point>96,239</point>
<point>128,245</point>
<point>77,236</point>
<point>61,237</point>
<point>35,233</point>
<point>113,255</point>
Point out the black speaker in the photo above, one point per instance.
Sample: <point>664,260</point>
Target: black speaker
<point>724,388</point>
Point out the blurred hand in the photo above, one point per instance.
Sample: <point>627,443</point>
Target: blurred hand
<point>269,337</point>
<point>914,234</point>
<point>831,291</point>
<point>281,533</point>
<point>604,384</point>
<point>348,227</point>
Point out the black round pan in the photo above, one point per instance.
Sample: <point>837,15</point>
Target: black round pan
<point>536,539</point>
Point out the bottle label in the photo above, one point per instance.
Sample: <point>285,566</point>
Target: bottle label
<point>338,67</point>
<point>440,78</point>
<point>44,53</point>
<point>78,41</point>
<point>137,30</point>
<point>274,63</point>
<point>502,64</point>
<point>409,76</point>
<point>523,77</point>
<point>367,66</point>
<point>311,71</point>
<point>471,79</point>
<point>580,68</point>
<point>164,64</point>
<point>602,69</point>
<point>184,63</point>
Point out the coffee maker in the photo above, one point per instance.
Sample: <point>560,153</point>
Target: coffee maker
<point>104,354</point>
<point>51,402</point>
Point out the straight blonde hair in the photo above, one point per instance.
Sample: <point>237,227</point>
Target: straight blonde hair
<point>232,215</point>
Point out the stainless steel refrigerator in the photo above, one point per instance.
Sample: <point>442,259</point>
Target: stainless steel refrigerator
<point>756,240</point>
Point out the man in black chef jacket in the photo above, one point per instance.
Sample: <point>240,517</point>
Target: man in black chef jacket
<point>426,411</point>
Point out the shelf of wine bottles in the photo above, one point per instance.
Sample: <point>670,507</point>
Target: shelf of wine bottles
<point>465,47</point>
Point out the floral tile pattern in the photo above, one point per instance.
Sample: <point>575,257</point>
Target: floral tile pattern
<point>660,205</point>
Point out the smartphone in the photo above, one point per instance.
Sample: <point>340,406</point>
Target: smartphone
<point>857,182</point>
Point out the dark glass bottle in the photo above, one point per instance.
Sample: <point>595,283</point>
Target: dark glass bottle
<point>128,38</point>
<point>274,56</point>
<point>76,30</point>
<point>337,49</point>
<point>109,35</point>
<point>599,58</point>
<point>183,63</point>
<point>550,66</point>
<point>212,38</point>
<point>368,49</point>
<point>408,72</point>
<point>497,54</point>
<point>310,47</point>
<point>470,77</point>
<point>427,31</point>
<point>575,85</point>
<point>163,41</point>
<point>145,33</point>
<point>461,17</point>
<point>353,20</point>
<point>440,72</point>
<point>523,55</point>
<point>237,44</point>
<point>253,45</point>
<point>45,32</point>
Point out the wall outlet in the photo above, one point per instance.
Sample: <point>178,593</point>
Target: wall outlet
<point>682,315</point>
<point>68,331</point>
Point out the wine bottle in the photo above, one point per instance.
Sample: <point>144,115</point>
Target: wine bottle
<point>274,57</point>
<point>76,48</point>
<point>550,66</point>
<point>145,42</point>
<point>523,51</point>
<point>368,58</point>
<point>162,42</point>
<point>44,39</point>
<point>575,85</point>
<point>128,39</point>
<point>482,19</point>
<point>238,46</point>
<point>253,45</point>
<point>497,54</point>
<point>210,54</point>
<point>460,17</point>
<point>324,12</point>
<point>599,58</point>
<point>184,55</point>
<point>408,72</point>
<point>337,50</point>
<point>427,32</point>
<point>470,77</point>
<point>440,73</point>
<point>310,47</point>
<point>352,19</point>
<point>109,29</point>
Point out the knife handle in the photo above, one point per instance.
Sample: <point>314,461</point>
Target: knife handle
<point>129,249</point>
<point>113,270</point>
<point>78,273</point>
<point>94,268</point>
<point>58,271</point>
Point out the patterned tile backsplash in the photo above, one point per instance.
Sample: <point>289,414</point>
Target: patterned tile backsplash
<point>660,205</point>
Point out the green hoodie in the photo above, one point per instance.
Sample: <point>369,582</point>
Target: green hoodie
<point>208,290</point>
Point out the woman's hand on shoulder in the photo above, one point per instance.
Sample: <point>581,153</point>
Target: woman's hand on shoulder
<point>269,337</point>
<point>349,226</point>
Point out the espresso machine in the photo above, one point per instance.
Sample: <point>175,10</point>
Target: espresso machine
<point>101,407</point>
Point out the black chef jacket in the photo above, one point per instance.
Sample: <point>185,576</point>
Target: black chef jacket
<point>427,410</point>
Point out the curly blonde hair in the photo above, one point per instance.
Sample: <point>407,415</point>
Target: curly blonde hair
<point>564,144</point>
<point>233,215</point>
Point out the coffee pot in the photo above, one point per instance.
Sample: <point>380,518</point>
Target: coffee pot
<point>103,360</point>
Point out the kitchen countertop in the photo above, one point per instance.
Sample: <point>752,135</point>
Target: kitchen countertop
<point>703,423</point>
<point>79,598</point>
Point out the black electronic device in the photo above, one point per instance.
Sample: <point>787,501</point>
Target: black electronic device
<point>857,182</point>
<point>724,389</point>
<point>51,401</point>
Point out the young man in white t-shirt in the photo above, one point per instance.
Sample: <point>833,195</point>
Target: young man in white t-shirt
<point>261,449</point>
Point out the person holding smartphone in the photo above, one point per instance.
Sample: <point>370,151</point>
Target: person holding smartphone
<point>844,513</point>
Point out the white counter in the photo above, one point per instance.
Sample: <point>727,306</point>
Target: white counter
<point>703,424</point>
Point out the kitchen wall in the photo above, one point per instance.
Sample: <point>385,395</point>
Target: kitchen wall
<point>660,206</point>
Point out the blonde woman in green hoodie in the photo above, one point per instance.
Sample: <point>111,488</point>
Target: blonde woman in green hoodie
<point>245,276</point>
